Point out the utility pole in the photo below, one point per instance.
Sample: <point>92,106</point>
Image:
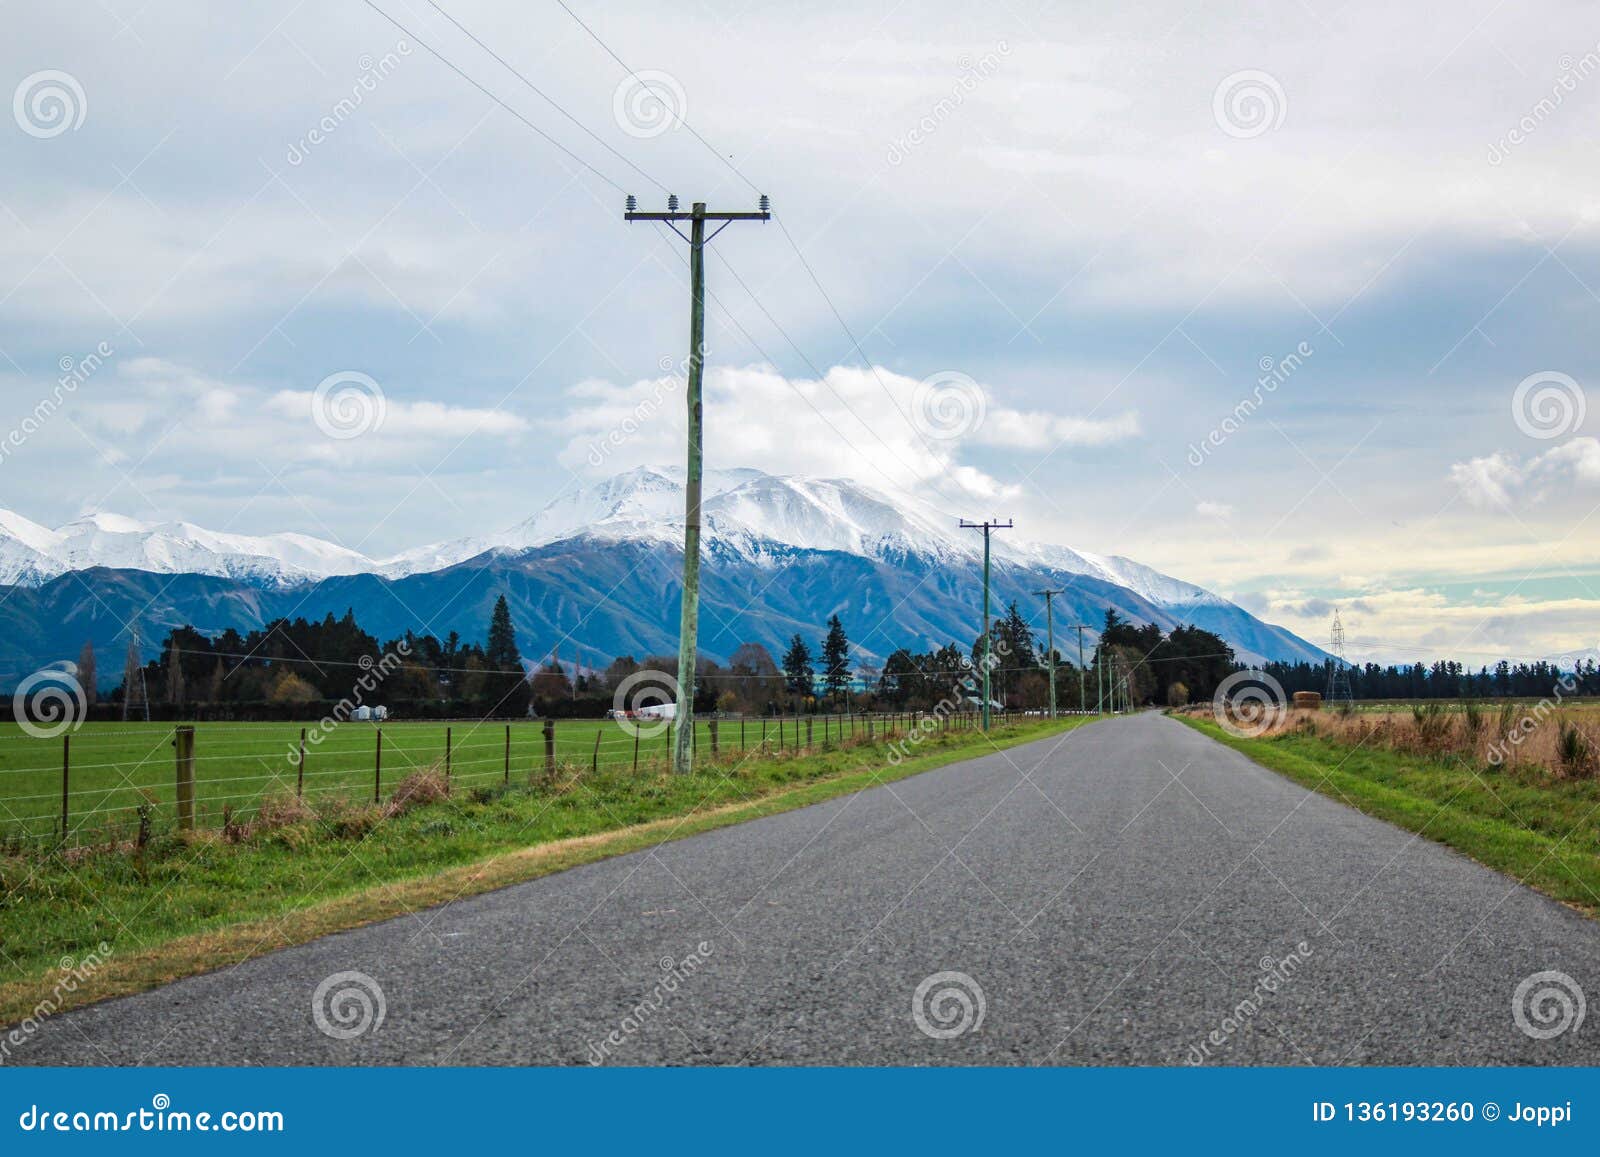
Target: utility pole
<point>1050,636</point>
<point>689,616</point>
<point>1083,702</point>
<point>987,527</point>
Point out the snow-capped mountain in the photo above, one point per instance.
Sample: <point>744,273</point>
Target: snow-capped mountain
<point>31,554</point>
<point>603,561</point>
<point>761,518</point>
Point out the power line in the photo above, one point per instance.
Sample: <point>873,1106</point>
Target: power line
<point>511,68</point>
<point>442,59</point>
<point>595,36</point>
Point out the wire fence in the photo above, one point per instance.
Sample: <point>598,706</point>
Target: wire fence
<point>91,787</point>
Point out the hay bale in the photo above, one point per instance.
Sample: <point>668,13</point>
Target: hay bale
<point>1307,701</point>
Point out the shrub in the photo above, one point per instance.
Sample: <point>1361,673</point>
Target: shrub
<point>417,790</point>
<point>350,821</point>
<point>1574,749</point>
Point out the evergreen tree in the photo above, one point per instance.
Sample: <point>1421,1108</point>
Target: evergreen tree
<point>505,684</point>
<point>797,672</point>
<point>835,660</point>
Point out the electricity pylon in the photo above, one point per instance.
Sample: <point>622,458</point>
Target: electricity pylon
<point>987,527</point>
<point>1083,701</point>
<point>1338,670</point>
<point>1050,635</point>
<point>689,613</point>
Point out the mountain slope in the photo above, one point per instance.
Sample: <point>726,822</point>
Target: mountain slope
<point>601,568</point>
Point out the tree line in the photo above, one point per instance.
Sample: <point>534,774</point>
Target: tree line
<point>1446,679</point>
<point>289,667</point>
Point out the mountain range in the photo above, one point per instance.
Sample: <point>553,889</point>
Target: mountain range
<point>599,567</point>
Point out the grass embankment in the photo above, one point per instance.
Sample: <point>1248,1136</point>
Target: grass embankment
<point>190,903</point>
<point>1520,819</point>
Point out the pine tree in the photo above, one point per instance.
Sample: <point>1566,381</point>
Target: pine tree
<point>506,684</point>
<point>797,672</point>
<point>835,659</point>
<point>86,674</point>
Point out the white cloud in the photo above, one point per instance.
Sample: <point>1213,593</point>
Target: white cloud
<point>1218,510</point>
<point>1502,481</point>
<point>875,425</point>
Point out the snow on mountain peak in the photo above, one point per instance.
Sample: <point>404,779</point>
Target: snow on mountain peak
<point>746,513</point>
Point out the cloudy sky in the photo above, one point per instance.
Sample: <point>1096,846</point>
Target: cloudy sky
<point>1296,301</point>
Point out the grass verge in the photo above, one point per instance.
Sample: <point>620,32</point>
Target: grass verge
<point>192,904</point>
<point>1537,828</point>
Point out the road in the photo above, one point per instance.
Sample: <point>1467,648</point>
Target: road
<point>1128,893</point>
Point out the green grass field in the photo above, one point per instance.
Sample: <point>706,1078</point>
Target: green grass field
<point>114,767</point>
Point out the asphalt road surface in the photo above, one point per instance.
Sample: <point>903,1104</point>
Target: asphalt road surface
<point>1129,893</point>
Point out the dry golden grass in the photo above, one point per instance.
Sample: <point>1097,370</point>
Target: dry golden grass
<point>1561,741</point>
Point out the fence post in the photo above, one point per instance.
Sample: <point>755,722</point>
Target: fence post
<point>183,741</point>
<point>711,726</point>
<point>66,765</point>
<point>377,768</point>
<point>594,760</point>
<point>636,750</point>
<point>808,733</point>
<point>869,729</point>
<point>741,732</point>
<point>447,731</point>
<point>824,730</point>
<point>508,753</point>
<point>300,768</point>
<point>550,748</point>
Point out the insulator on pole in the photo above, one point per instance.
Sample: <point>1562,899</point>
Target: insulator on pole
<point>633,203</point>
<point>672,202</point>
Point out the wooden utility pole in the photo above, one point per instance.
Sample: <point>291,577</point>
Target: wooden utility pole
<point>987,527</point>
<point>689,617</point>
<point>1050,636</point>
